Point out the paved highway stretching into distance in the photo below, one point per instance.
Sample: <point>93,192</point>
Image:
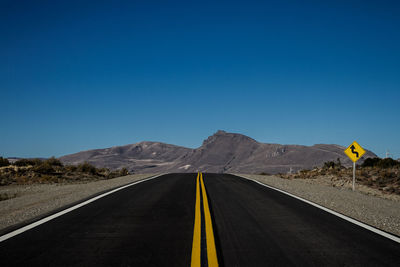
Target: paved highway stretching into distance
<point>175,219</point>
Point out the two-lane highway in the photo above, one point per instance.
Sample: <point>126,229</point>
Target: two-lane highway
<point>153,223</point>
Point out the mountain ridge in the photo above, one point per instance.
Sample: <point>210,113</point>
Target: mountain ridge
<point>220,152</point>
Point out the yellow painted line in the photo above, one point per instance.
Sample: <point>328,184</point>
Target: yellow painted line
<point>196,247</point>
<point>211,250</point>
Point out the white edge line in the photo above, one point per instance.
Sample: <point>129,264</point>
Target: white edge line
<point>366,226</point>
<point>60,213</point>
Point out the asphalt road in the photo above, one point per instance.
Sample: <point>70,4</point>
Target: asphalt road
<point>151,224</point>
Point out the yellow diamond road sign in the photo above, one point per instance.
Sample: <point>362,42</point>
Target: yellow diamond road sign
<point>354,151</point>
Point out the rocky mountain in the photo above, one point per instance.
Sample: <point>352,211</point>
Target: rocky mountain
<point>137,157</point>
<point>221,152</point>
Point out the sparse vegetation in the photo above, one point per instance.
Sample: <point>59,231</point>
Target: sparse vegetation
<point>27,171</point>
<point>381,163</point>
<point>124,171</point>
<point>54,162</point>
<point>4,162</point>
<point>27,162</point>
<point>87,168</point>
<point>333,165</point>
<point>381,174</point>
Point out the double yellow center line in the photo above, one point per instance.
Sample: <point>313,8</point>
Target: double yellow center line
<point>209,233</point>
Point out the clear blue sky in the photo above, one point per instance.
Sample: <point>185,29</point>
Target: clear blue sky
<point>77,75</point>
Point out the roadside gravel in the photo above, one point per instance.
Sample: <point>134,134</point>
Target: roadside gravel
<point>380,211</point>
<point>30,201</point>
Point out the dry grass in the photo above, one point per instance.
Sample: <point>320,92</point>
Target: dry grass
<point>386,180</point>
<point>53,171</point>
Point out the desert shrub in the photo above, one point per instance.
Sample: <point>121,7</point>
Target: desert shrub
<point>264,173</point>
<point>123,172</point>
<point>28,162</point>
<point>382,163</point>
<point>71,168</point>
<point>87,168</point>
<point>370,162</point>
<point>104,170</point>
<point>54,162</point>
<point>44,168</point>
<point>7,171</point>
<point>21,171</point>
<point>339,163</point>
<point>21,162</point>
<point>4,162</point>
<point>329,164</point>
<point>388,163</point>
<point>332,164</point>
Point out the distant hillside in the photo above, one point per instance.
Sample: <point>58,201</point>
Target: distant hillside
<point>221,152</point>
<point>140,157</point>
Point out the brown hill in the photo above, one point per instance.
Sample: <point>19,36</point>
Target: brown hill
<point>221,152</point>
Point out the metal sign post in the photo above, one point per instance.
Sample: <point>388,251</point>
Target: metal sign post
<point>354,175</point>
<point>354,152</point>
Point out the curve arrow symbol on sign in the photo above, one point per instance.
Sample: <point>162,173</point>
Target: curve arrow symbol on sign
<point>352,150</point>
